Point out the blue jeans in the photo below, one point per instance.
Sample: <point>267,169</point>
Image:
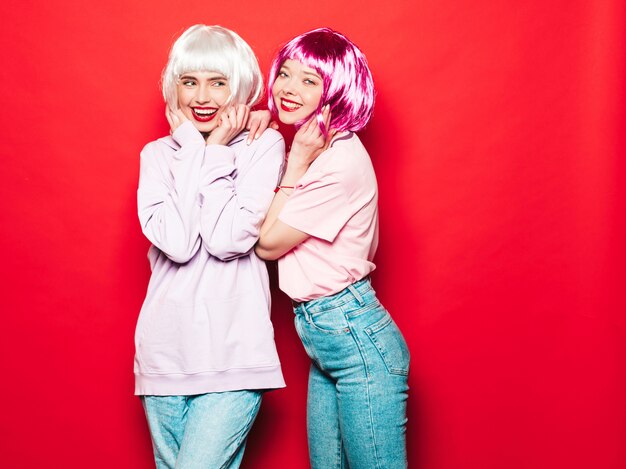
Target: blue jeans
<point>356,411</point>
<point>202,431</point>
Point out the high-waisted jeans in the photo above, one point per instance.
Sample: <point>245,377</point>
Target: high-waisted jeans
<point>201,431</point>
<point>356,411</point>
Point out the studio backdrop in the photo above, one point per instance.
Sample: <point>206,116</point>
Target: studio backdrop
<point>499,143</point>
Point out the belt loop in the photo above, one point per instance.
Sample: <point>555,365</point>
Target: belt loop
<point>356,294</point>
<point>307,315</point>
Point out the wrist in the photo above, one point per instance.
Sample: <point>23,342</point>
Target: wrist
<point>287,190</point>
<point>291,177</point>
<point>294,171</point>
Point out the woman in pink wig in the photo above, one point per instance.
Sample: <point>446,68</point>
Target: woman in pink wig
<point>322,227</point>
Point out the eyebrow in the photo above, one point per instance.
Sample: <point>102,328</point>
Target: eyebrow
<point>303,71</point>
<point>213,77</point>
<point>312,74</point>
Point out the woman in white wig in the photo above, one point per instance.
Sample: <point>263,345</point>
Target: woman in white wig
<point>204,341</point>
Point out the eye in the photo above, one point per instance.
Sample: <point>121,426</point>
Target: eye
<point>309,82</point>
<point>282,74</point>
<point>219,83</point>
<point>187,82</point>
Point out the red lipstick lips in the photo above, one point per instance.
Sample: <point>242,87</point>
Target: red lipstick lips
<point>204,114</point>
<point>294,106</point>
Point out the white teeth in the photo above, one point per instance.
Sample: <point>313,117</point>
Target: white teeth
<point>291,105</point>
<point>204,112</point>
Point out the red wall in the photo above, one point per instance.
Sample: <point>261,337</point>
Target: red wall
<point>499,141</point>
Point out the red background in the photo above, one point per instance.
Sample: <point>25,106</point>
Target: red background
<point>499,142</point>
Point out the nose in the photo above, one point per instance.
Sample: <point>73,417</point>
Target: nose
<point>288,87</point>
<point>203,94</point>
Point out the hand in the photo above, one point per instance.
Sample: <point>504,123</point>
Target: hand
<point>309,142</point>
<point>232,120</point>
<point>176,118</point>
<point>257,123</point>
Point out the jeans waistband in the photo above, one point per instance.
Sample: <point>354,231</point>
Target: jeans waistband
<point>353,291</point>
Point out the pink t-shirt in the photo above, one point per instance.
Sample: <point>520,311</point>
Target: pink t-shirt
<point>336,203</point>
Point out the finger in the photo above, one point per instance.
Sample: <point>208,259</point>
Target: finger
<point>261,119</point>
<point>261,129</point>
<point>253,125</point>
<point>223,122</point>
<point>168,116</point>
<point>246,115</point>
<point>322,120</point>
<point>301,134</point>
<point>310,121</point>
<point>314,129</point>
<point>274,125</point>
<point>232,117</point>
<point>326,114</point>
<point>308,124</point>
<point>180,116</point>
<point>243,113</point>
<point>252,133</point>
<point>174,120</point>
<point>225,118</point>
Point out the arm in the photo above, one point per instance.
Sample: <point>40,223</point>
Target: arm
<point>232,209</point>
<point>167,194</point>
<point>278,238</point>
<point>282,238</point>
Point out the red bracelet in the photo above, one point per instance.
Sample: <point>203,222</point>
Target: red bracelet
<point>283,187</point>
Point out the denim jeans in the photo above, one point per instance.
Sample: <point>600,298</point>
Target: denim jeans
<point>202,431</point>
<point>358,387</point>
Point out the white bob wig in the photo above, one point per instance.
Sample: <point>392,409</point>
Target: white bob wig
<point>214,49</point>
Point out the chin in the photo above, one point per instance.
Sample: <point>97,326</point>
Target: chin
<point>203,127</point>
<point>288,119</point>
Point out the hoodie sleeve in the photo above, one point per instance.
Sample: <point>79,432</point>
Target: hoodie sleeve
<point>167,198</point>
<point>234,200</point>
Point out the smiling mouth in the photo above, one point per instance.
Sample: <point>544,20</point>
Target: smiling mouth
<point>289,106</point>
<point>203,114</point>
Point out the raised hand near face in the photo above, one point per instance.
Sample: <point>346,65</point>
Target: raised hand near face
<point>309,141</point>
<point>175,118</point>
<point>232,121</point>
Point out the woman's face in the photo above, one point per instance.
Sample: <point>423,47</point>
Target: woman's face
<point>201,95</point>
<point>297,91</point>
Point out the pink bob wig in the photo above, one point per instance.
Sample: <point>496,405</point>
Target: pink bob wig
<point>348,84</point>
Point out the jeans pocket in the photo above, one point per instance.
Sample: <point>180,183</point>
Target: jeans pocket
<point>390,344</point>
<point>331,321</point>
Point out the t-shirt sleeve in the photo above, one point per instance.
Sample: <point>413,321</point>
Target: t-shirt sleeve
<point>318,206</point>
